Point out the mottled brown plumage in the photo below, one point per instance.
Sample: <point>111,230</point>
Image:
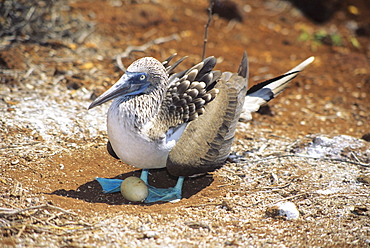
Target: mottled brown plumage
<point>207,141</point>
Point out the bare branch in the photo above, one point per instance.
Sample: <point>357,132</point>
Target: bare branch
<point>142,48</point>
<point>9,211</point>
<point>306,156</point>
<point>211,3</point>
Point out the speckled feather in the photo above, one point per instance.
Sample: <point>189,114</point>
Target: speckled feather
<point>180,98</point>
<point>207,141</point>
<point>187,95</point>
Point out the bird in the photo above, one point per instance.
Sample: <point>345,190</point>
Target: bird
<point>184,121</point>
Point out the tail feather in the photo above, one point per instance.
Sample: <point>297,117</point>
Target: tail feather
<point>263,92</point>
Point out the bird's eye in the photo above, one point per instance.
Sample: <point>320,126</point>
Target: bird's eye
<point>142,77</point>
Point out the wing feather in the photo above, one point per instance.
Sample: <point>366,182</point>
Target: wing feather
<point>186,96</point>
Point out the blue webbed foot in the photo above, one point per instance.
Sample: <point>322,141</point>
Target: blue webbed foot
<point>158,194</point>
<point>155,194</point>
<point>110,185</point>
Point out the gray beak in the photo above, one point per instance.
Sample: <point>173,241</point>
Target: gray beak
<point>131,83</point>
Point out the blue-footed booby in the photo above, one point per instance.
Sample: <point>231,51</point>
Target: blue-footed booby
<point>183,121</point>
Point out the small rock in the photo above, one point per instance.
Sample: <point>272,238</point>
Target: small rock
<point>365,179</point>
<point>366,137</point>
<point>197,224</point>
<point>14,162</point>
<point>284,209</point>
<point>227,9</point>
<point>360,210</point>
<point>150,234</point>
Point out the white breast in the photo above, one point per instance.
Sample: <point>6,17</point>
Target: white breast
<point>134,147</point>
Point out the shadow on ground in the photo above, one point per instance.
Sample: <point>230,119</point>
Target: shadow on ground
<point>160,178</point>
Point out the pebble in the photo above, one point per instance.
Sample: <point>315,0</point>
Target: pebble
<point>14,162</point>
<point>285,209</point>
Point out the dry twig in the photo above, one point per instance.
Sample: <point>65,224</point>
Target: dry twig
<point>310,157</point>
<point>9,211</point>
<point>211,3</point>
<point>142,48</point>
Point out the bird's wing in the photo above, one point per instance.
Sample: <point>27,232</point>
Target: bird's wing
<point>187,95</point>
<point>170,68</point>
<point>206,141</point>
<point>265,91</point>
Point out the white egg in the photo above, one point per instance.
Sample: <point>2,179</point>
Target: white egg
<point>134,189</point>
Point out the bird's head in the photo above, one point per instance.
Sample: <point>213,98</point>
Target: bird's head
<point>143,76</point>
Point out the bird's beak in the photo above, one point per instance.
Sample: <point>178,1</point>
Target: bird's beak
<point>127,85</point>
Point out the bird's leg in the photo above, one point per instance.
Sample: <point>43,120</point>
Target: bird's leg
<point>144,176</point>
<point>159,194</point>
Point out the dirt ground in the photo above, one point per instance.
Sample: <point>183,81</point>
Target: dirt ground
<point>309,146</point>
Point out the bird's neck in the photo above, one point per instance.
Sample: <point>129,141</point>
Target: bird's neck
<point>141,109</point>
